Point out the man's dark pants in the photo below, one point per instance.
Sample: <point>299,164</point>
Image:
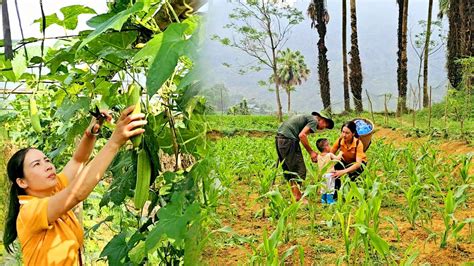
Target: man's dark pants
<point>289,152</point>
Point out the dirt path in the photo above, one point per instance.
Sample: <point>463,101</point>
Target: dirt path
<point>398,139</point>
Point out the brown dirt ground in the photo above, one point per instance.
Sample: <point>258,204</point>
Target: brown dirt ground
<point>244,223</point>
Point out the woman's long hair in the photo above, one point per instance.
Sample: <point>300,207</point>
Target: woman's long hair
<point>15,170</point>
<point>352,127</point>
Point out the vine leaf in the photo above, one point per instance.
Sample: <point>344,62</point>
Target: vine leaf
<point>173,45</point>
<point>70,14</point>
<point>116,22</point>
<point>173,221</point>
<point>116,249</point>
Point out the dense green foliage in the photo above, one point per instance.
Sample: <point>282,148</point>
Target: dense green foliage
<point>94,69</point>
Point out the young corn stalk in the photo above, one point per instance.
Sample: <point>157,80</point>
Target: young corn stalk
<point>465,165</point>
<point>367,220</point>
<point>413,195</point>
<point>267,177</point>
<point>269,248</point>
<point>451,224</point>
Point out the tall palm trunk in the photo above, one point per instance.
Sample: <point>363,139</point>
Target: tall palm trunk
<point>317,14</point>
<point>288,92</point>
<point>425,57</point>
<point>469,27</point>
<point>347,97</point>
<point>402,60</point>
<point>454,51</point>
<point>355,65</point>
<point>465,11</point>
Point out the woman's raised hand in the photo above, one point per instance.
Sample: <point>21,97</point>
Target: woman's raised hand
<point>127,126</point>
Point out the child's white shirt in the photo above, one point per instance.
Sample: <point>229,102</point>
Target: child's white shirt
<point>323,160</point>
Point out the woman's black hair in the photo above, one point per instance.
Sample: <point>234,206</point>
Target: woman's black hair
<point>15,170</point>
<point>352,127</point>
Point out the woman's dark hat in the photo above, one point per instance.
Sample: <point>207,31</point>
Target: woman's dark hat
<point>326,116</point>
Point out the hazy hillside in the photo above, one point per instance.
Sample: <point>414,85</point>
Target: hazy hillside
<point>377,29</point>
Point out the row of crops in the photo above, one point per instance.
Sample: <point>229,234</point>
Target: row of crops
<point>410,204</point>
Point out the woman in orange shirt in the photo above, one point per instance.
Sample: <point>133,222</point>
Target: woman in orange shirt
<point>40,212</point>
<point>353,157</point>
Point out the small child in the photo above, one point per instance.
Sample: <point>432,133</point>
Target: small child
<point>325,157</point>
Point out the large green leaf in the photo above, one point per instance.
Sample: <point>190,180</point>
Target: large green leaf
<point>116,249</point>
<point>115,40</point>
<point>95,21</point>
<point>50,20</point>
<point>379,244</point>
<point>173,221</point>
<point>113,46</point>
<point>6,69</point>
<point>124,174</point>
<point>69,108</point>
<point>19,64</point>
<point>70,14</point>
<point>172,47</point>
<point>149,51</point>
<point>116,22</point>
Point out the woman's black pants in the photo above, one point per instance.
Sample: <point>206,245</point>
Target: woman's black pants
<point>353,175</point>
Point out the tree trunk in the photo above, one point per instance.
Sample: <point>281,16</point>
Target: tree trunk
<point>274,65</point>
<point>425,58</point>
<point>277,93</point>
<point>454,43</point>
<point>355,65</point>
<point>466,17</point>
<point>288,92</point>
<point>222,102</point>
<point>323,69</point>
<point>8,49</point>
<point>402,56</point>
<point>469,21</point>
<point>347,97</point>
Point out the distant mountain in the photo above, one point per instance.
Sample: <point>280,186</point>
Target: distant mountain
<point>377,29</point>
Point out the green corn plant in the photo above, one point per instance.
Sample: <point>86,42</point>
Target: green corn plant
<point>311,192</point>
<point>394,226</point>
<point>412,196</point>
<point>451,224</point>
<point>267,177</point>
<point>465,165</point>
<point>367,221</point>
<point>410,255</point>
<point>269,248</point>
<point>276,203</point>
<point>345,225</point>
<point>373,240</point>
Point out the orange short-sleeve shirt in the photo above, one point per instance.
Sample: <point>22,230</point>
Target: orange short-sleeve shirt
<point>41,243</point>
<point>350,151</point>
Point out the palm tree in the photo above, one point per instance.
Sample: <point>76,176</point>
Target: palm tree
<point>347,97</point>
<point>355,77</point>
<point>292,70</point>
<point>426,54</point>
<point>402,56</point>
<point>319,16</point>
